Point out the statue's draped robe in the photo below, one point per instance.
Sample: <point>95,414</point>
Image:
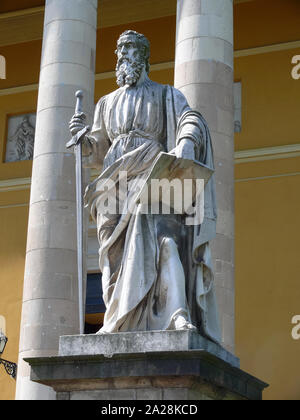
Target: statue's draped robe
<point>132,126</point>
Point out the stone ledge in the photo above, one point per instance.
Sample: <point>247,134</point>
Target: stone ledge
<point>142,342</point>
<point>167,369</point>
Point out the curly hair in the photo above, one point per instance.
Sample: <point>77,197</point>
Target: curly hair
<point>142,43</point>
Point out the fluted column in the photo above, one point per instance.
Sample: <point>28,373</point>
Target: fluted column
<point>204,73</point>
<point>50,298</point>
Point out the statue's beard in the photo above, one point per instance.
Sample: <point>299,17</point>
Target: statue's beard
<point>128,72</point>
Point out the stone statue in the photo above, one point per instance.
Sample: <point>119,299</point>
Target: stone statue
<point>156,271</point>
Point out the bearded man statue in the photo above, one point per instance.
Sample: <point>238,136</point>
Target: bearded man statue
<point>156,270</point>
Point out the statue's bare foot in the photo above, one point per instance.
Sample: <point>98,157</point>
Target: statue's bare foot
<point>182,324</point>
<point>100,332</point>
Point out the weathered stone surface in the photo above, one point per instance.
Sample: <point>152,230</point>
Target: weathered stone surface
<point>175,375</point>
<point>141,342</point>
<point>133,125</point>
<point>20,137</point>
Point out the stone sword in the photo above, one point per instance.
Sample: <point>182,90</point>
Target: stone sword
<point>76,142</point>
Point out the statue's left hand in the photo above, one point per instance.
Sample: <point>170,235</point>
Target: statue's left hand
<point>185,149</point>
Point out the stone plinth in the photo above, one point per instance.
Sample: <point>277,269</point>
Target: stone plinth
<point>161,365</point>
<point>142,342</point>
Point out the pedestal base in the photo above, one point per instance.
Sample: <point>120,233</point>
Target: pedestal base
<point>160,365</point>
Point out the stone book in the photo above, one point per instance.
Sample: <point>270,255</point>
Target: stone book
<point>187,179</point>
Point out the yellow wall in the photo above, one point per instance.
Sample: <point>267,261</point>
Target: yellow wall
<point>267,274</point>
<point>267,222</point>
<point>160,32</point>
<point>270,100</point>
<point>14,204</point>
<point>267,207</point>
<point>266,22</point>
<point>13,230</point>
<point>9,5</point>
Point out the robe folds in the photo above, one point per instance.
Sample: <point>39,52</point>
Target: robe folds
<point>142,257</point>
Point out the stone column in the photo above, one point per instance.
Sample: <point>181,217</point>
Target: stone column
<point>204,73</point>
<point>50,296</point>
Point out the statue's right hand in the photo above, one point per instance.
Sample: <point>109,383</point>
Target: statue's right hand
<point>77,123</point>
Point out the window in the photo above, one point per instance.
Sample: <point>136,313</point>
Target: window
<point>95,308</point>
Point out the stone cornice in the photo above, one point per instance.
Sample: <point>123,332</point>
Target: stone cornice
<point>244,156</point>
<point>26,25</point>
<point>17,184</point>
<point>267,49</point>
<point>166,65</point>
<point>267,153</point>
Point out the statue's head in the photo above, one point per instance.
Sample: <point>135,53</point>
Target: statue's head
<point>25,121</point>
<point>133,51</point>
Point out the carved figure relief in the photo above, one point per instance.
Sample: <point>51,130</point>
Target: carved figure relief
<point>20,137</point>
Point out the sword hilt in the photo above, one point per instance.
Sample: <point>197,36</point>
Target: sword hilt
<point>79,102</point>
<point>78,110</point>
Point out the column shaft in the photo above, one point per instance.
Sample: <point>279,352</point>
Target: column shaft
<point>204,73</point>
<point>50,296</point>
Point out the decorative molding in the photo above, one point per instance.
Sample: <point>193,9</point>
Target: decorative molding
<point>27,25</point>
<point>17,184</point>
<point>166,65</point>
<point>259,178</point>
<point>10,206</point>
<point>21,26</point>
<point>267,153</point>
<point>267,49</point>
<point>18,89</point>
<point>22,12</point>
<point>261,154</point>
<point>244,156</point>
<point>98,76</point>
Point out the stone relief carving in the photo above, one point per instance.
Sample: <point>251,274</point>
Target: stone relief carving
<point>20,137</point>
<point>2,325</point>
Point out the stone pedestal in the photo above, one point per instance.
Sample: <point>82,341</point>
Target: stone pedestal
<point>160,365</point>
